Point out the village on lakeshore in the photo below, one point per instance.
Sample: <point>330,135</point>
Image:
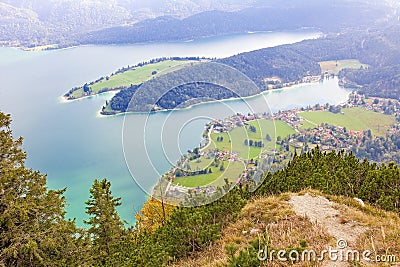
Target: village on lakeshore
<point>242,146</point>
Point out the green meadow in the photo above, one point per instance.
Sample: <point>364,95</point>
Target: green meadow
<point>334,66</point>
<point>135,76</point>
<point>234,140</point>
<point>307,125</point>
<point>353,119</point>
<point>231,172</point>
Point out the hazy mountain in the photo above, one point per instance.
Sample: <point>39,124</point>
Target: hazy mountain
<point>326,17</point>
<point>181,8</point>
<point>43,21</point>
<point>18,23</point>
<point>32,22</point>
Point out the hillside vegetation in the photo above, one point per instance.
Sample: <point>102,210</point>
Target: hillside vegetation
<point>382,81</point>
<point>314,222</point>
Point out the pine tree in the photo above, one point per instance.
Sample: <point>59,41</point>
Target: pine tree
<point>106,228</point>
<point>33,229</point>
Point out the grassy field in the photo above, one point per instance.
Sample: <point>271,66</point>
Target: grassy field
<point>200,163</point>
<point>216,178</point>
<point>371,227</point>
<point>353,119</point>
<point>334,66</point>
<point>265,127</point>
<point>307,125</point>
<point>234,140</point>
<point>136,76</point>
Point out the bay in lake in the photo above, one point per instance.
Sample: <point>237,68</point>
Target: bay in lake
<point>73,145</point>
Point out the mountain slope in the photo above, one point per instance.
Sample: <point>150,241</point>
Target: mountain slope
<point>32,22</point>
<point>305,221</point>
<point>19,25</point>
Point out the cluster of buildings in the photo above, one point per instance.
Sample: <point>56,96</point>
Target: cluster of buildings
<point>327,137</point>
<point>238,120</point>
<point>291,117</point>
<point>229,156</point>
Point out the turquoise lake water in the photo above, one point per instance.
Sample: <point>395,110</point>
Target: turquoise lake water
<point>73,145</point>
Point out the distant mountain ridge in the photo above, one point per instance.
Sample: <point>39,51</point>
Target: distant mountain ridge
<point>212,23</point>
<point>73,22</point>
<point>33,22</point>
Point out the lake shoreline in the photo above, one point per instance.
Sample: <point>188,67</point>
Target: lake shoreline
<point>56,46</point>
<point>293,86</point>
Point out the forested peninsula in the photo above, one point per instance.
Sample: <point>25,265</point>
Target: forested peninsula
<point>268,68</point>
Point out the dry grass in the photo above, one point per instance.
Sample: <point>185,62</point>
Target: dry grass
<point>383,234</point>
<point>273,219</point>
<point>269,218</point>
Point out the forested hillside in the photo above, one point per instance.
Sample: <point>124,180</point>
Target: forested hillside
<point>289,63</point>
<point>379,49</point>
<point>381,81</point>
<point>35,232</point>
